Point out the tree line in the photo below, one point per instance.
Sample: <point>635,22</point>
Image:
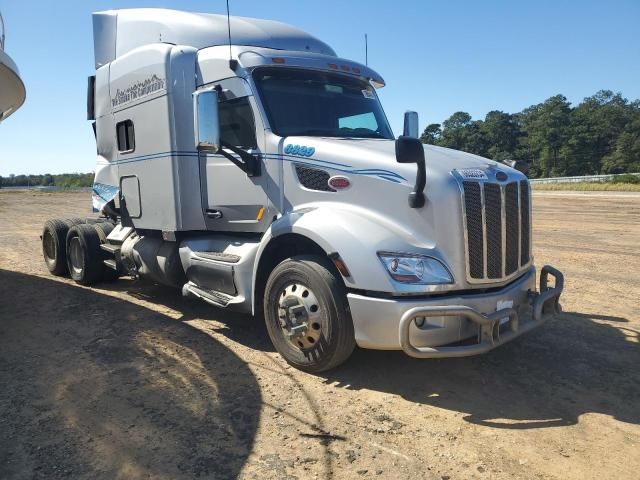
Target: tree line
<point>598,136</point>
<point>64,180</point>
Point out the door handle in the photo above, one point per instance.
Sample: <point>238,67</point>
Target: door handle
<point>215,214</point>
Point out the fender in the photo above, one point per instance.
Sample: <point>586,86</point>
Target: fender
<point>357,235</point>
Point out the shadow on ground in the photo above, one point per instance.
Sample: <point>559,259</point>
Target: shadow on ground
<point>97,387</point>
<point>240,327</point>
<point>547,378</point>
<point>578,363</point>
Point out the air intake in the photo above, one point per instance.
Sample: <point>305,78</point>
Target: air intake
<point>313,178</point>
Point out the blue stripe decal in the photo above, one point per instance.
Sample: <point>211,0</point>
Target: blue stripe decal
<point>341,167</point>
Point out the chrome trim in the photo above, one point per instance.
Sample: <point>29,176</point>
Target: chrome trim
<point>521,268</point>
<point>484,232</point>
<point>520,225</point>
<point>503,225</point>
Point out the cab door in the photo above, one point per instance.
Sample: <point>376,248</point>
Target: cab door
<point>232,201</point>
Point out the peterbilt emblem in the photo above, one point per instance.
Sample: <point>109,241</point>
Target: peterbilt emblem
<point>339,182</point>
<point>472,173</point>
<point>299,150</point>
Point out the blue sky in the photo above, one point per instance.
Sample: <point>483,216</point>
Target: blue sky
<point>437,57</point>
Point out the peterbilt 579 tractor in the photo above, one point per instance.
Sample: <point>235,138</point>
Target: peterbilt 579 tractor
<point>245,163</point>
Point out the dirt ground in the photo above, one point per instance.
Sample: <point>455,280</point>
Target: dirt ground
<point>131,380</point>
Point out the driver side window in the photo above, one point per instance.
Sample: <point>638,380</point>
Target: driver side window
<point>237,126</point>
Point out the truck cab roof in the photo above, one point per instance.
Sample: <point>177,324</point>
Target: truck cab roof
<point>117,32</point>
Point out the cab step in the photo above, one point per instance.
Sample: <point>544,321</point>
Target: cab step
<point>218,299</point>
<point>110,248</point>
<point>109,262</point>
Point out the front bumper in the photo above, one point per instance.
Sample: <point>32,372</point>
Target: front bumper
<point>389,324</point>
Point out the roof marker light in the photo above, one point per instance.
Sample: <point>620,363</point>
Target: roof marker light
<point>333,66</point>
<point>278,60</point>
<point>345,68</point>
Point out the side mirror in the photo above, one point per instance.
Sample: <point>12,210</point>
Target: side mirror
<point>206,122</point>
<point>410,128</point>
<point>411,150</point>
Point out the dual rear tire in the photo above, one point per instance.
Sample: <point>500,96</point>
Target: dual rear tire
<point>73,247</point>
<point>54,243</point>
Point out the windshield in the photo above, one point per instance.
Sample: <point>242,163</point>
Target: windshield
<point>305,102</point>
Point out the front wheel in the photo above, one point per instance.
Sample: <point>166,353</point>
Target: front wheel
<point>307,314</point>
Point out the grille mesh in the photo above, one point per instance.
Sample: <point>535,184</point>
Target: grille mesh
<point>497,228</point>
<point>493,211</point>
<point>513,227</point>
<point>473,208</point>
<point>525,221</point>
<point>313,178</point>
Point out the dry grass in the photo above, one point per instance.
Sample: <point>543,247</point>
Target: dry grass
<point>589,186</point>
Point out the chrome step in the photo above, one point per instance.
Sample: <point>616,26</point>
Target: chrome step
<point>218,299</point>
<point>219,256</point>
<point>110,248</point>
<point>111,264</point>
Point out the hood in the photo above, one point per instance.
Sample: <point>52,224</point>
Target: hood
<point>377,157</point>
<point>379,189</point>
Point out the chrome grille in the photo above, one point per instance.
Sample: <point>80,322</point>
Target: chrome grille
<point>525,221</point>
<point>512,229</point>
<point>497,229</point>
<point>475,235</point>
<point>493,222</point>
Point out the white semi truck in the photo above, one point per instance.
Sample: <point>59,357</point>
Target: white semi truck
<point>12,91</point>
<point>260,174</point>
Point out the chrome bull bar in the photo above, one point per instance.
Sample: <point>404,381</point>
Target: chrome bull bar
<point>543,304</point>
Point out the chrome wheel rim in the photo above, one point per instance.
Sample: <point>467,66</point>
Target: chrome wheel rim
<point>76,255</point>
<point>300,316</point>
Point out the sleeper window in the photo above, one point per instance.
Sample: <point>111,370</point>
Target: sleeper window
<point>126,136</point>
<point>237,127</point>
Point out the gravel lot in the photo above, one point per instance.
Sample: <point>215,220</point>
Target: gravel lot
<point>131,380</point>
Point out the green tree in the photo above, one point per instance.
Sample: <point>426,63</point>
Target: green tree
<point>460,132</point>
<point>625,157</point>
<point>546,128</point>
<point>431,134</point>
<point>47,180</point>
<point>501,133</point>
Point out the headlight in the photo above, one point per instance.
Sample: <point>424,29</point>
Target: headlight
<point>415,268</point>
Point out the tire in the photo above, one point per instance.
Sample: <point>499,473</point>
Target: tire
<point>106,227</point>
<point>329,337</point>
<point>74,221</point>
<point>84,256</point>
<point>54,245</point>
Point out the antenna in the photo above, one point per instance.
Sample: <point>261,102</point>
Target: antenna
<point>233,64</point>
<point>366,50</point>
